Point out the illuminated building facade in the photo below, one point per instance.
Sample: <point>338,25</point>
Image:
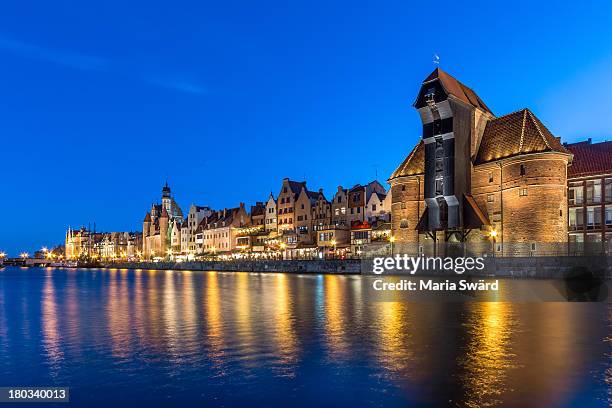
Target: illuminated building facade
<point>161,227</point>
<point>475,177</point>
<point>590,197</point>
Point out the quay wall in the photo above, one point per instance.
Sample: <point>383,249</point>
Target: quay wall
<point>508,267</point>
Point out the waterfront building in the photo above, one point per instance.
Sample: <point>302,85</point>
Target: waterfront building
<point>294,219</point>
<point>358,197</point>
<point>194,218</point>
<point>286,204</point>
<point>370,239</point>
<point>375,207</point>
<point>159,225</point>
<point>258,214</point>
<point>333,241</point>
<point>321,212</point>
<point>590,197</point>
<point>477,178</point>
<point>217,233</point>
<point>339,207</point>
<point>270,218</point>
<point>83,243</point>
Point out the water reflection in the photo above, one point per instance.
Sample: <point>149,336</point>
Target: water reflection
<point>51,335</point>
<point>488,355</point>
<point>246,337</point>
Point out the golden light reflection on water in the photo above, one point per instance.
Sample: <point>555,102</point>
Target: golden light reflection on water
<point>488,356</point>
<point>335,316</point>
<point>285,337</point>
<point>244,333</point>
<point>395,349</point>
<point>117,311</point>
<point>51,336</point>
<point>170,312</point>
<point>492,351</point>
<point>215,335</point>
<point>188,310</point>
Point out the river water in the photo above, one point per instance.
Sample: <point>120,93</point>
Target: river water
<point>180,338</point>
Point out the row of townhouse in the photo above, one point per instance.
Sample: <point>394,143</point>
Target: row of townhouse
<point>83,242</point>
<point>297,223</point>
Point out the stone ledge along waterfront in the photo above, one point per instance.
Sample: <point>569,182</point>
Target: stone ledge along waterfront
<point>529,267</point>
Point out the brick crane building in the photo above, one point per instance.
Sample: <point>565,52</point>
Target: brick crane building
<point>498,182</point>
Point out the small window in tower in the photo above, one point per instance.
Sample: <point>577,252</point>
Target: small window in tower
<point>522,169</point>
<point>404,223</point>
<point>560,213</point>
<point>490,177</point>
<point>403,188</point>
<point>522,192</point>
<point>490,198</point>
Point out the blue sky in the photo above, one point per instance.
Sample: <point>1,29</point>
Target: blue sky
<point>100,104</point>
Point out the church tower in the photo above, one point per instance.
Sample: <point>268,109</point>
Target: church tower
<point>166,198</point>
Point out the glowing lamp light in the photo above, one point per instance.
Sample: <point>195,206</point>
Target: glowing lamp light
<point>24,255</point>
<point>392,239</point>
<point>493,233</point>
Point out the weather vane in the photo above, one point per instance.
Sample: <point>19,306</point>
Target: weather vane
<point>436,59</point>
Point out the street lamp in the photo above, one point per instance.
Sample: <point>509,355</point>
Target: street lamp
<point>493,235</point>
<point>391,240</point>
<point>24,255</point>
<point>333,242</point>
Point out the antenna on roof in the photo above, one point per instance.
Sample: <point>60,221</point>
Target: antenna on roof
<point>436,59</point>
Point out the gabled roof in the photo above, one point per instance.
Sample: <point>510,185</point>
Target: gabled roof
<point>296,186</point>
<point>590,159</point>
<point>147,217</point>
<point>413,164</point>
<point>513,134</point>
<point>453,87</point>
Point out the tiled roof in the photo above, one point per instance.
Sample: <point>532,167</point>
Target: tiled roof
<point>147,218</point>
<point>590,159</point>
<point>413,164</point>
<point>513,134</point>
<point>453,87</point>
<point>296,186</point>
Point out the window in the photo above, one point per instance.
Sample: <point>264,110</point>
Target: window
<point>522,169</point>
<point>490,198</point>
<point>404,223</point>
<point>358,210</point>
<point>339,200</point>
<point>522,192</point>
<point>361,235</point>
<point>403,188</point>
<point>337,211</point>
<point>608,189</point>
<point>343,210</point>
<point>593,217</point>
<point>593,192</point>
<point>285,190</point>
<point>575,194</point>
<point>373,207</point>
<point>302,206</point>
<point>490,177</point>
<point>608,214</point>
<point>533,246</point>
